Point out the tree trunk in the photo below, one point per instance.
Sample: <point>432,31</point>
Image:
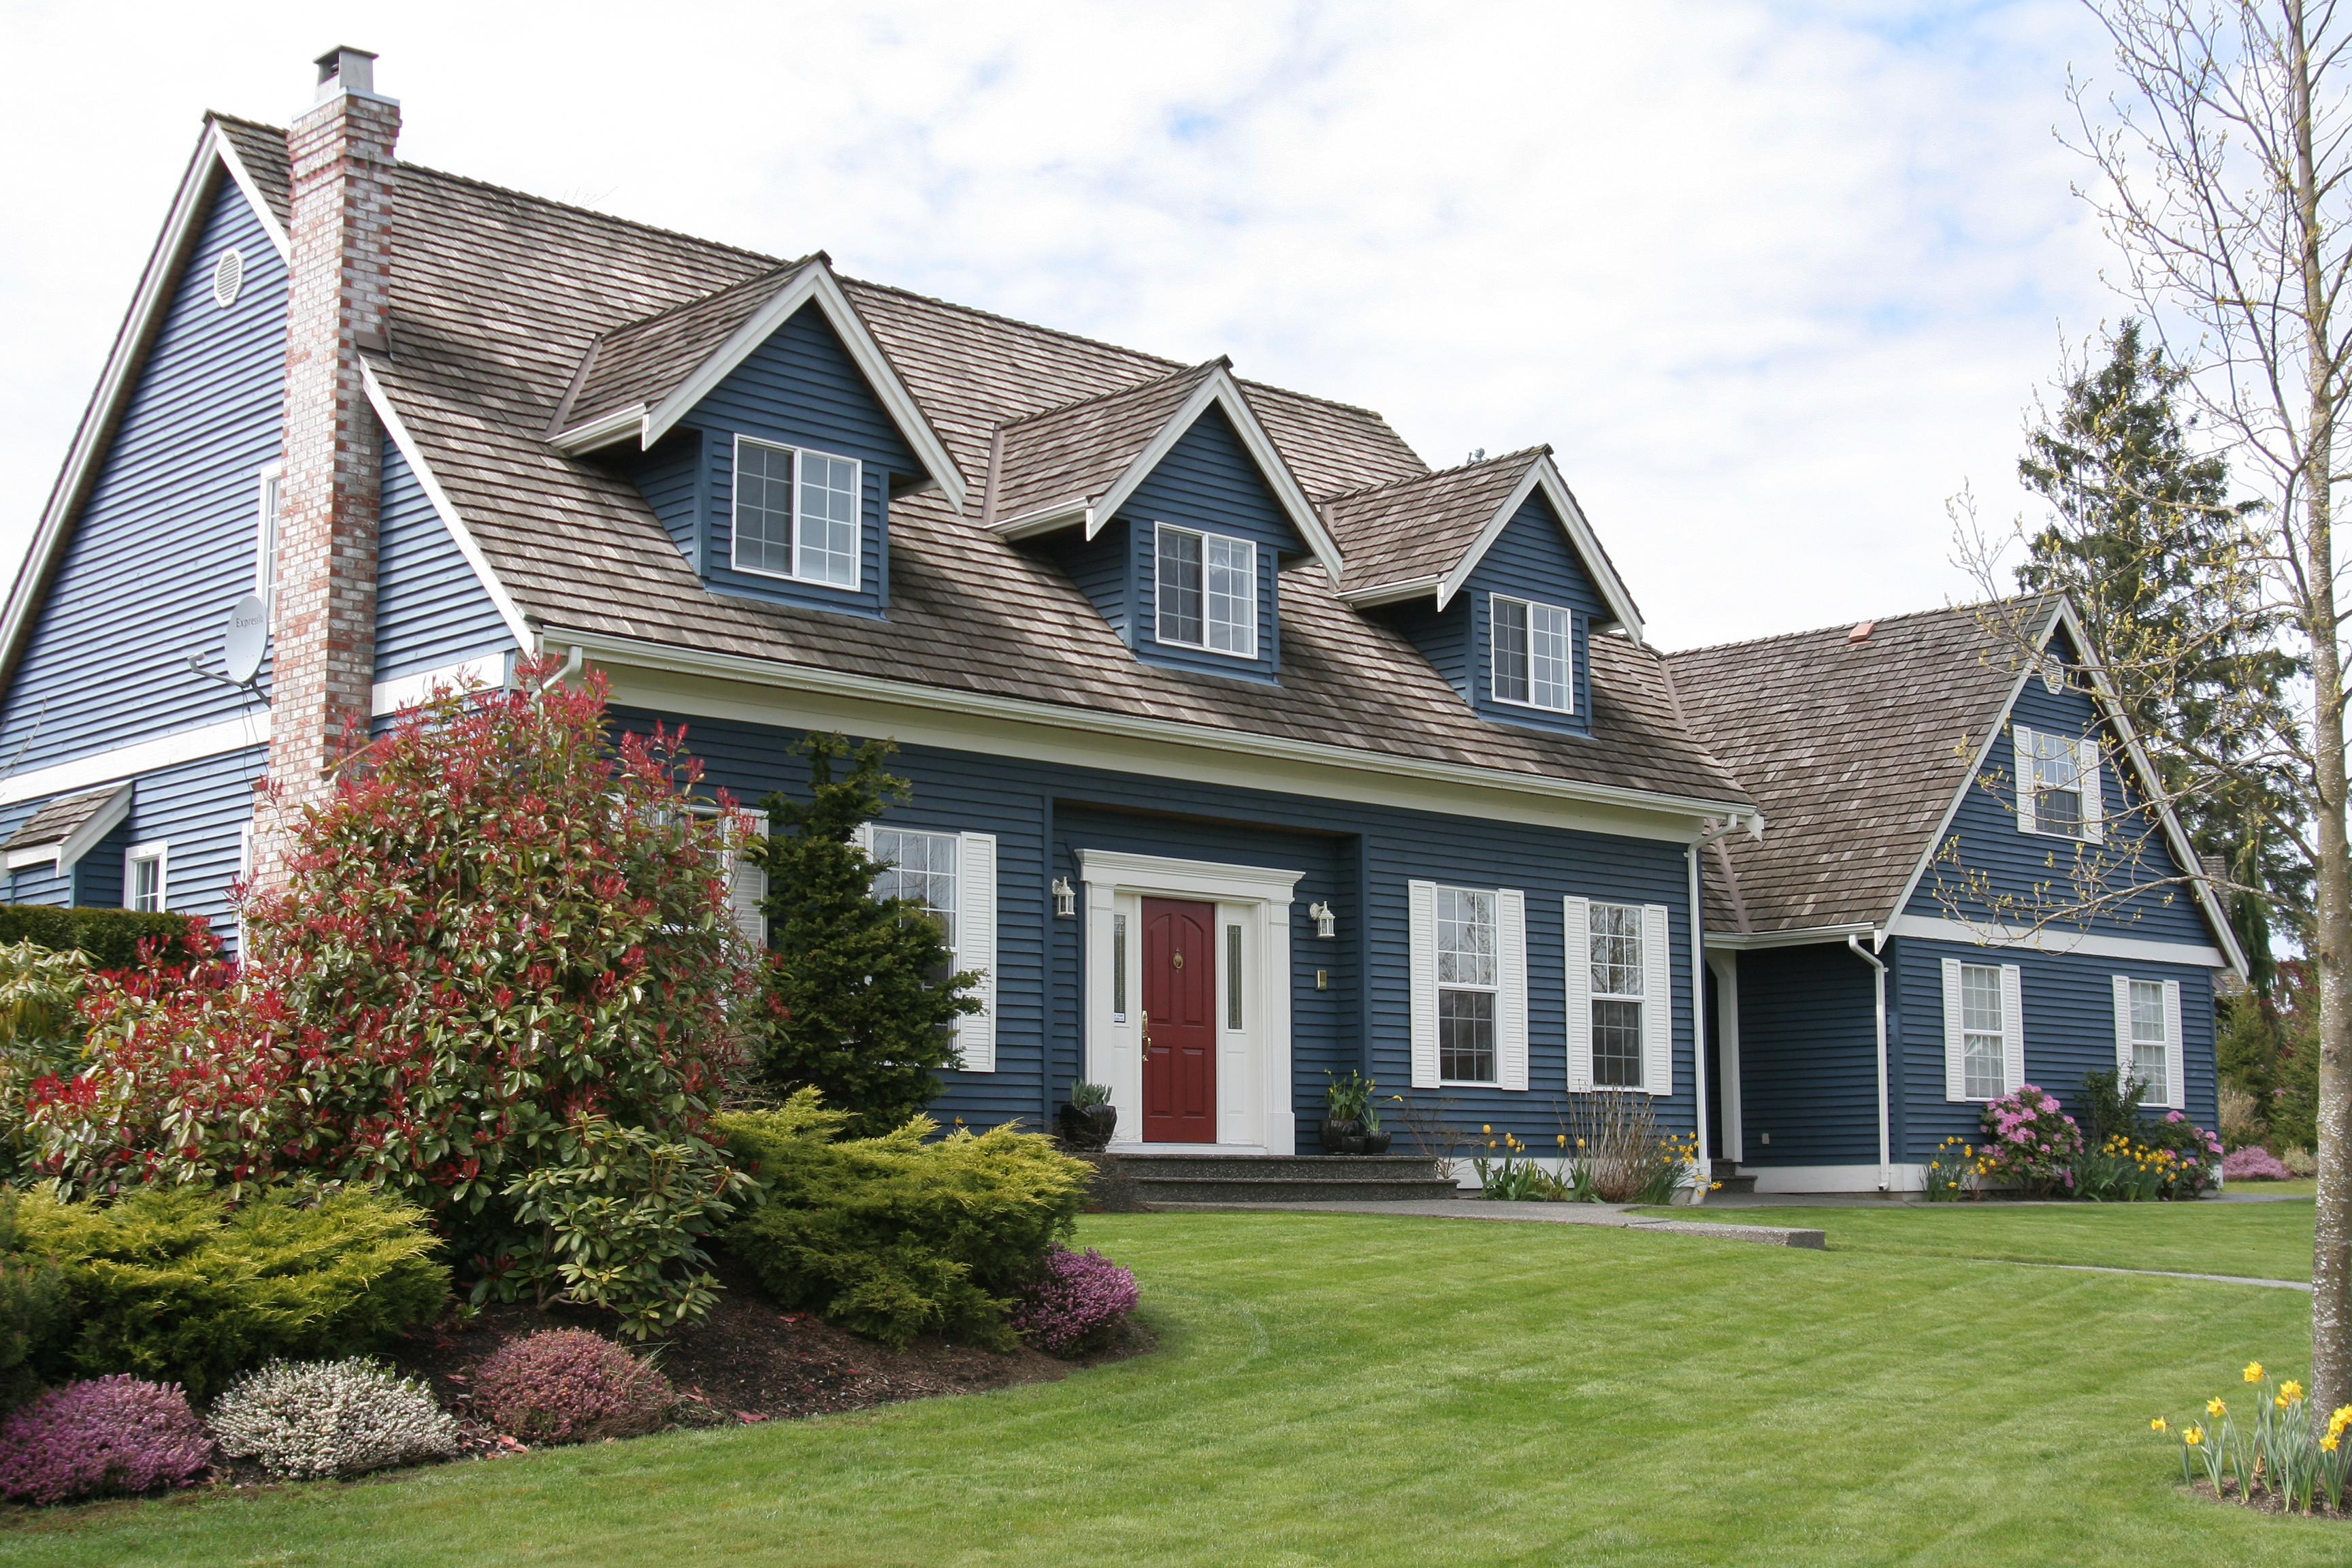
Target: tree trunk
<point>2331,1251</point>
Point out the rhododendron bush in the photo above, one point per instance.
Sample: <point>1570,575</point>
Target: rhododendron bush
<point>502,978</point>
<point>2030,1142</point>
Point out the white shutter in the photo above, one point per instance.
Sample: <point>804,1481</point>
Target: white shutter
<point>2095,804</point>
<point>747,883</point>
<point>2126,1061</point>
<point>1577,943</point>
<point>2176,1054</point>
<point>1421,920</point>
<point>1657,1003</point>
<point>1511,1006</point>
<point>975,947</point>
<point>1955,1038</point>
<point>2012,1027</point>
<point>2024,762</point>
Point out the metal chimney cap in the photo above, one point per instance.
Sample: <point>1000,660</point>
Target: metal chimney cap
<point>346,70</point>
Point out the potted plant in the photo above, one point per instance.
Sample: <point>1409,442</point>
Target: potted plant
<point>1346,1102</point>
<point>1088,1118</point>
<point>1376,1137</point>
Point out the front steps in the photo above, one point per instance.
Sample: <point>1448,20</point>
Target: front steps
<point>1726,1173</point>
<point>1284,1178</point>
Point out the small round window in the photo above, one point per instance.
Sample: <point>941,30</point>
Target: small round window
<point>228,277</point>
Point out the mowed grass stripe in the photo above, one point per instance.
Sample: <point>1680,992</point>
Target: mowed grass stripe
<point>1343,1388</point>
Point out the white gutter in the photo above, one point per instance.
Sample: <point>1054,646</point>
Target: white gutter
<point>1878,980</point>
<point>1754,823</point>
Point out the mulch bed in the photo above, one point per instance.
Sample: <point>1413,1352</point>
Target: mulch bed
<point>751,1361</point>
<point>2263,1502</point>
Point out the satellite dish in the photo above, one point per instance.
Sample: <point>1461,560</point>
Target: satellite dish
<point>246,638</point>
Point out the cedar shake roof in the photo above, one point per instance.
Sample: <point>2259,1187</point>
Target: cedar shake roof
<point>644,360</point>
<point>1854,750</point>
<point>498,296</point>
<point>1073,454</point>
<point>58,820</point>
<point>1420,526</point>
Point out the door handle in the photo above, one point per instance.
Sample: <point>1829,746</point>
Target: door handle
<point>1147,1030</point>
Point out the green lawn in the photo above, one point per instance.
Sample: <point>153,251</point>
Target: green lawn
<point>1358,1389</point>
<point>2263,1241</point>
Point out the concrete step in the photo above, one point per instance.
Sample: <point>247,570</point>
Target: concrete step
<point>1274,1167</point>
<point>1287,1190</point>
<point>1284,1178</point>
<point>1727,1173</point>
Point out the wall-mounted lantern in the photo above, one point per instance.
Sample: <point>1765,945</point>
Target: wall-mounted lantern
<point>1065,899</point>
<point>1327,925</point>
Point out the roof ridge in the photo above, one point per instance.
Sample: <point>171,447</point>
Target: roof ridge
<point>773,261</point>
<point>1847,626</point>
<point>706,297</point>
<point>1009,320</point>
<point>1128,391</point>
<point>248,125</point>
<point>1314,397</point>
<point>1544,449</point>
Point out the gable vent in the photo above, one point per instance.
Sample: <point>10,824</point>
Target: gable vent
<point>228,277</point>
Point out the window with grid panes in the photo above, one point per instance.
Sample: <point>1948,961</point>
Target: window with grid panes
<point>1617,980</point>
<point>1468,976</point>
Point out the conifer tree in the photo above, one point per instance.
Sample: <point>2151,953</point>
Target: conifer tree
<point>859,999</point>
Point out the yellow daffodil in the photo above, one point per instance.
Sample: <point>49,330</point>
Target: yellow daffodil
<point>2159,1425</point>
<point>2290,1390</point>
<point>2331,1442</point>
<point>2193,1436</point>
<point>1486,1127</point>
<point>2254,1372</point>
<point>2215,1408</point>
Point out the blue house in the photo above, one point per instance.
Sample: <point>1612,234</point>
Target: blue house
<point>1246,747</point>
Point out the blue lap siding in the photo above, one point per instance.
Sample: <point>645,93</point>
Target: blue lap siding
<point>1209,482</point>
<point>1808,1058</point>
<point>432,609</point>
<point>166,540</point>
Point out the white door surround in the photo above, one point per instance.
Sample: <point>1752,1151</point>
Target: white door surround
<point>1253,1087</point>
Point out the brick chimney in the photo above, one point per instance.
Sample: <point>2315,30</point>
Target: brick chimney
<point>339,291</point>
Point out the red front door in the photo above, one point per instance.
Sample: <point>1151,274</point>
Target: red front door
<point>1180,1007</point>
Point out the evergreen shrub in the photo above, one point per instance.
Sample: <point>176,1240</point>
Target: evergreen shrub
<point>175,1282</point>
<point>109,1435</point>
<point>307,1420</point>
<point>111,939</point>
<point>35,1311</point>
<point>568,1385</point>
<point>896,1236</point>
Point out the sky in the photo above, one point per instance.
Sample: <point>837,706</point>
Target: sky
<point>1774,280</point>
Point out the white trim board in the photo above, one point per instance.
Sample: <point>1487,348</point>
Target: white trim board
<point>141,757</point>
<point>2092,944</point>
<point>468,546</point>
<point>1834,1178</point>
<point>932,714</point>
<point>407,691</point>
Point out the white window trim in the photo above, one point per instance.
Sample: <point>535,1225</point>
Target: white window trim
<point>159,852</point>
<point>2176,1096</point>
<point>975,948</point>
<point>1657,981</point>
<point>1204,645</point>
<point>2012,1034</point>
<point>734,494</point>
<point>2090,788</point>
<point>267,484</point>
<point>1494,650</point>
<point>1510,988</point>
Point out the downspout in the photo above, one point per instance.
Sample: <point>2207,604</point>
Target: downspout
<point>1755,825</point>
<point>1878,983</point>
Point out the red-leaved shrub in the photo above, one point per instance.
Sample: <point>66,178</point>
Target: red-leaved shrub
<point>568,1385</point>
<point>109,1435</point>
<point>500,979</point>
<point>2254,1163</point>
<point>1079,1299</point>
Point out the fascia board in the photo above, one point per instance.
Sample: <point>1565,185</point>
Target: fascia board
<point>2090,944</point>
<point>262,210</point>
<point>468,545</point>
<point>115,383</point>
<point>1742,940</point>
<point>1392,592</point>
<point>1096,720</point>
<point>246,731</point>
<point>1219,387</point>
<point>104,821</point>
<point>603,431</point>
<point>38,855</point>
<point>1044,520</point>
<point>1543,473</point>
<point>815,281</point>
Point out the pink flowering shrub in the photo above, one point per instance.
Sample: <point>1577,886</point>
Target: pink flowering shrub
<point>2196,1153</point>
<point>1077,1299</point>
<point>109,1435</point>
<point>2030,1142</point>
<point>568,1385</point>
<point>2254,1163</point>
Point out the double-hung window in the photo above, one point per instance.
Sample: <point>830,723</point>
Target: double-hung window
<point>2148,1038</point>
<point>796,513</point>
<point>2057,785</point>
<point>920,867</point>
<point>1617,999</point>
<point>1984,1030</point>
<point>1531,654</point>
<point>1206,591</point>
<point>146,872</point>
<point>1980,1026</point>
<point>1468,979</point>
<point>951,878</point>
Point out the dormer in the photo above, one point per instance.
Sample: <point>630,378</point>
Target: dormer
<point>768,431</point>
<point>1493,572</point>
<point>1170,506</point>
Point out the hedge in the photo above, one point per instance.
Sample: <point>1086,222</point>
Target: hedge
<point>110,939</point>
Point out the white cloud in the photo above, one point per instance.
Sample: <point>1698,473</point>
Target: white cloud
<point>1774,279</point>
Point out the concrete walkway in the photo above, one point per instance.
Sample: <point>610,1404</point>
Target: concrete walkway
<point>1614,1216</point>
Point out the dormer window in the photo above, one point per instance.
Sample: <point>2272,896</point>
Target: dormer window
<point>1207,591</point>
<point>1531,654</point>
<point>796,514</point>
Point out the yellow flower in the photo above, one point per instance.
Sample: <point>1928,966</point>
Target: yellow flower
<point>2331,1442</point>
<point>1486,1127</point>
<point>1563,1139</point>
<point>2159,1425</point>
<point>2193,1436</point>
<point>2215,1408</point>
<point>2254,1372</point>
<point>2290,1390</point>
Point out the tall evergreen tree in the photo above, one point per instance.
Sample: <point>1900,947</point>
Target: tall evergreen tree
<point>859,996</point>
<point>2143,537</point>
